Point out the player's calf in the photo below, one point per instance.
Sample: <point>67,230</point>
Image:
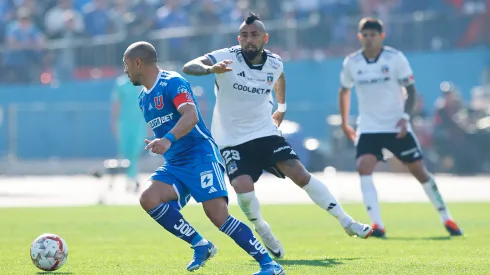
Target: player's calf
<point>419,171</point>
<point>250,206</point>
<point>154,201</point>
<point>242,234</point>
<point>216,210</point>
<point>315,189</point>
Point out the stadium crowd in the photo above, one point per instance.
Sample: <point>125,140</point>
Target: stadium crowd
<point>29,27</point>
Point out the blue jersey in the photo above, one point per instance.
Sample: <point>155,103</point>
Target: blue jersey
<point>160,107</point>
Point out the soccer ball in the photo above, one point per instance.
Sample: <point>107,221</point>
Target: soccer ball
<point>49,252</point>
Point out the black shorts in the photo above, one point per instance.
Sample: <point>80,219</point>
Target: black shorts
<point>253,157</point>
<point>406,149</point>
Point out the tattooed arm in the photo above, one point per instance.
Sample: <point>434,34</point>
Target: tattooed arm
<point>199,66</point>
<point>203,66</point>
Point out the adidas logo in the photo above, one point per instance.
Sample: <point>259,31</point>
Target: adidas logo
<point>150,107</point>
<point>242,74</point>
<point>293,153</point>
<point>212,190</point>
<point>331,205</point>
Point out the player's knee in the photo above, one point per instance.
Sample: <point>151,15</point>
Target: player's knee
<point>295,170</point>
<point>366,164</point>
<point>301,177</point>
<point>216,210</point>
<point>419,171</point>
<point>149,200</point>
<point>243,184</point>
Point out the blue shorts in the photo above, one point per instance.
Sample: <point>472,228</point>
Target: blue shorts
<point>203,182</point>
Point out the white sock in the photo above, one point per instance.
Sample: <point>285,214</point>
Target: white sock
<point>370,198</point>
<point>320,194</point>
<point>435,197</point>
<point>250,205</point>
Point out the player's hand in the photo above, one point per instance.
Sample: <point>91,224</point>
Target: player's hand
<point>278,117</point>
<point>158,145</point>
<point>221,67</point>
<point>349,132</point>
<point>402,124</point>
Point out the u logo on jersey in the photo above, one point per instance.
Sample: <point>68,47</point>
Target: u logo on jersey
<point>158,102</point>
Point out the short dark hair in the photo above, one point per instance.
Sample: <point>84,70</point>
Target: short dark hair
<point>144,51</point>
<point>252,17</point>
<point>370,23</point>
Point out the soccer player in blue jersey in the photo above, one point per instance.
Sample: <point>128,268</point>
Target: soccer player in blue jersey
<point>193,164</point>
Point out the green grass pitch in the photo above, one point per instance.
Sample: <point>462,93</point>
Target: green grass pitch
<point>120,240</point>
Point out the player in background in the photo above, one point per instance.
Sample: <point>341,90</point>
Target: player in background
<point>379,74</point>
<point>128,127</point>
<point>249,137</point>
<point>193,165</point>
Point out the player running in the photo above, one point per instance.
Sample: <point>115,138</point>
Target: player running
<point>248,136</point>
<point>379,73</point>
<point>128,128</point>
<point>193,166</point>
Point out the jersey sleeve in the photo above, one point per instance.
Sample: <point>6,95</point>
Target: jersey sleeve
<point>218,55</point>
<point>346,79</point>
<point>180,92</point>
<point>404,71</point>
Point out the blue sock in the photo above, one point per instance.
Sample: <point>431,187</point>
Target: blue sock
<point>172,220</point>
<point>244,237</point>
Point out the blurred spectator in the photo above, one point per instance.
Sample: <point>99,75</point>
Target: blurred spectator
<point>207,16</point>
<point>97,20</point>
<point>56,20</point>
<point>24,45</point>
<point>172,15</point>
<point>452,132</point>
<point>36,11</point>
<point>6,15</point>
<point>66,58</point>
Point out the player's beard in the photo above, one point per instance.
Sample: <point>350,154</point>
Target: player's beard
<point>251,53</point>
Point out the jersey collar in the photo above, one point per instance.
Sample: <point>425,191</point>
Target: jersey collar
<point>251,66</point>
<point>154,84</point>
<point>372,61</point>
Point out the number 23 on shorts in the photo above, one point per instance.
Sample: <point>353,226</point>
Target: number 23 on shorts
<point>229,155</point>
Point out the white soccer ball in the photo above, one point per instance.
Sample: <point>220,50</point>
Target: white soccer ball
<point>49,252</point>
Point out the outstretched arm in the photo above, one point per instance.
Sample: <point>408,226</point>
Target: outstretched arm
<point>203,66</point>
<point>199,66</point>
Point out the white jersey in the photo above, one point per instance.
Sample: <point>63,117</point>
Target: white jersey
<point>243,110</point>
<point>379,87</point>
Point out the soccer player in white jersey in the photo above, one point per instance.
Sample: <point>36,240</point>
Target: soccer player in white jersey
<point>379,74</point>
<point>248,135</point>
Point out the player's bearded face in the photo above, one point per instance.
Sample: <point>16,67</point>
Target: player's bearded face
<point>252,41</point>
